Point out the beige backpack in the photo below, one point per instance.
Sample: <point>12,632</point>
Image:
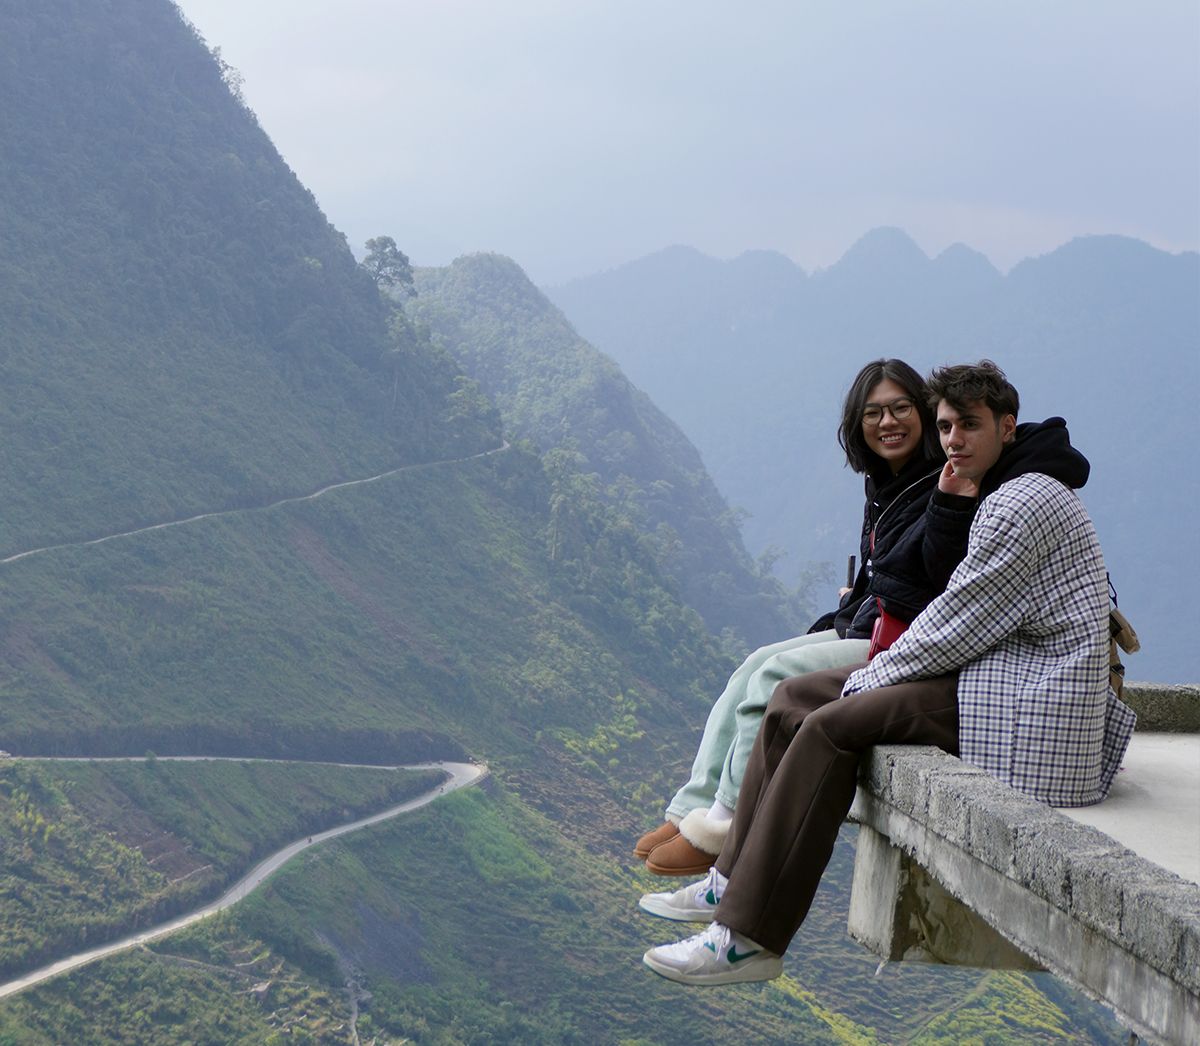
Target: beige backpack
<point>1121,636</point>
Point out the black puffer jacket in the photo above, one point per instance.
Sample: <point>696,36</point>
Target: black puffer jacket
<point>919,540</point>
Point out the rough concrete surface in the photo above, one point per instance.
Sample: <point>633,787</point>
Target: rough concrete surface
<point>1154,805</point>
<point>1165,707</point>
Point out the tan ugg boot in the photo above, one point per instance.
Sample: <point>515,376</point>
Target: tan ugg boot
<point>650,840</point>
<point>693,850</point>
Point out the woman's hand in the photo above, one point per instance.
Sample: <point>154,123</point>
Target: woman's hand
<point>949,483</point>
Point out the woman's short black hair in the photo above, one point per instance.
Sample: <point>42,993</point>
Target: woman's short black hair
<point>859,456</point>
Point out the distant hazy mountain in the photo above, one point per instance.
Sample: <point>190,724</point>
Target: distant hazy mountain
<point>752,358</point>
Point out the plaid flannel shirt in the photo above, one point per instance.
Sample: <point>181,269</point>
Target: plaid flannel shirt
<point>1024,619</point>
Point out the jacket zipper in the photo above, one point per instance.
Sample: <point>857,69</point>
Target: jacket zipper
<point>915,482</point>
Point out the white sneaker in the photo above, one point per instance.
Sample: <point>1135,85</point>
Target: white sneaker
<point>718,955</point>
<point>694,903</point>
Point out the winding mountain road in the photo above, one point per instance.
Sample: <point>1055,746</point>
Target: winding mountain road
<point>256,508</point>
<point>461,775</point>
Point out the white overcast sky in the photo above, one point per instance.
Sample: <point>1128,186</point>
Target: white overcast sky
<point>574,135</point>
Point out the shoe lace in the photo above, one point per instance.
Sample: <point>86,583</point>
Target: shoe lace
<point>716,935</point>
<point>714,938</point>
<point>709,884</point>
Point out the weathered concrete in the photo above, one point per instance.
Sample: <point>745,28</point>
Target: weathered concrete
<point>901,913</point>
<point>1070,897</point>
<point>1165,707</point>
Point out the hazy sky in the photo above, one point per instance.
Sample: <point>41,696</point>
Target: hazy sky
<point>575,135</point>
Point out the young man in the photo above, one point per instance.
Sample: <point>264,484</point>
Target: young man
<point>1007,668</point>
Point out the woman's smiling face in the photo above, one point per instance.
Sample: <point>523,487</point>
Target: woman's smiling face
<point>894,439</point>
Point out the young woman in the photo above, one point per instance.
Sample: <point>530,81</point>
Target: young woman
<point>909,548</point>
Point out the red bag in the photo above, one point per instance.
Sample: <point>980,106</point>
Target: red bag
<point>888,628</point>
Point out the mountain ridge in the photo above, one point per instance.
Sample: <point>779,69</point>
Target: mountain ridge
<point>117,260</point>
<point>554,388</point>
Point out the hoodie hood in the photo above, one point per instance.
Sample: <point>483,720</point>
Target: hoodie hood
<point>1039,446</point>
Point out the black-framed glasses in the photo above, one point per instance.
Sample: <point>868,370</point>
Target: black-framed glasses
<point>899,409</point>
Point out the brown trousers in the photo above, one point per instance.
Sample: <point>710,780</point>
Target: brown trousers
<point>799,785</point>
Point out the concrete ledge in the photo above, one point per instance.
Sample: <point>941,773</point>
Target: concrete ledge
<point>1118,927</point>
<point>1165,707</point>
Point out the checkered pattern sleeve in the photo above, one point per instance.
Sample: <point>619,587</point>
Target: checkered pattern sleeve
<point>986,599</point>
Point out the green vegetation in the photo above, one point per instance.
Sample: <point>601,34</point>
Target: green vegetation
<point>344,627</point>
<point>182,328</point>
<point>1005,1006</point>
<point>241,999</point>
<point>460,930</point>
<point>387,265</point>
<point>473,921</point>
<point>609,444</point>
<point>91,849</point>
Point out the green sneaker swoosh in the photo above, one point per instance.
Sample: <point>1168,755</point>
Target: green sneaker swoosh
<point>711,898</point>
<point>734,957</point>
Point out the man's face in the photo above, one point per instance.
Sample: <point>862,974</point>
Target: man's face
<point>973,437</point>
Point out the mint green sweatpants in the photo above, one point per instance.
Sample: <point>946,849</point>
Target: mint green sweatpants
<point>733,722</point>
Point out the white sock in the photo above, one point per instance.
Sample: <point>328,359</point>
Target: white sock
<point>719,813</point>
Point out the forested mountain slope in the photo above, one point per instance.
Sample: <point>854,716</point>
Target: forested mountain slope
<point>1102,331</point>
<point>555,389</point>
<point>182,332</point>
<point>183,329</point>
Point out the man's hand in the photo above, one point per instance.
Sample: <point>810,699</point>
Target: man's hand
<point>949,483</point>
<point>843,590</point>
